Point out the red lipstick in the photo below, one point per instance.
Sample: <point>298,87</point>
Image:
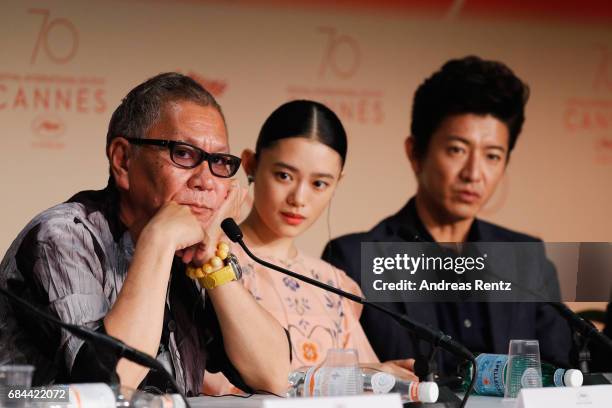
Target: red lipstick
<point>292,218</point>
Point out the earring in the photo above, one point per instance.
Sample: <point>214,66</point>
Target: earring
<point>250,179</point>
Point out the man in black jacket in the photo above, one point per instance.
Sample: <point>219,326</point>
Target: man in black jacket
<point>466,119</point>
<point>601,358</point>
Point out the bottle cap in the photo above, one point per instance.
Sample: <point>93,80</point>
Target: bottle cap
<point>428,392</point>
<point>573,378</point>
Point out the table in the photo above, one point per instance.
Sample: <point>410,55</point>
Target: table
<point>475,401</point>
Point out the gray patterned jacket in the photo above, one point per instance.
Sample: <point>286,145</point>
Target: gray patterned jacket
<point>71,261</point>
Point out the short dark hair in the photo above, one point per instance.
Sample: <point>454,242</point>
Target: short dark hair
<point>142,106</point>
<point>303,118</point>
<point>468,85</point>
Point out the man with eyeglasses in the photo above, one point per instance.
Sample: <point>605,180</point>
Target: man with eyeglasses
<point>118,260</point>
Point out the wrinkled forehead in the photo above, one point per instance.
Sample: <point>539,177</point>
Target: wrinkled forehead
<point>202,126</point>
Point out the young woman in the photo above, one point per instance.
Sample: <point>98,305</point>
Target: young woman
<point>295,169</point>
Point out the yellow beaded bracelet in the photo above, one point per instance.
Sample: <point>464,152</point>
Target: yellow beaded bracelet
<point>214,264</point>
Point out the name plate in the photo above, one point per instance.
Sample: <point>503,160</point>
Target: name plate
<point>357,401</point>
<point>593,396</point>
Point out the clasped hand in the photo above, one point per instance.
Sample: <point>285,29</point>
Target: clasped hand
<point>193,240</point>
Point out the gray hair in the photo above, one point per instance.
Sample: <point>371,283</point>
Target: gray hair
<point>142,106</point>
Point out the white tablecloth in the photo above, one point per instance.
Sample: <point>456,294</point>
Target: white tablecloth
<point>475,401</point>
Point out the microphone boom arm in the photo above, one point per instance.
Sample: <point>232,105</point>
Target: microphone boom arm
<point>119,347</point>
<point>435,337</point>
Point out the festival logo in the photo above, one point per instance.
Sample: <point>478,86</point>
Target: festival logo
<point>48,128</point>
<point>342,55</point>
<point>57,37</point>
<point>49,96</point>
<point>337,74</point>
<point>216,87</point>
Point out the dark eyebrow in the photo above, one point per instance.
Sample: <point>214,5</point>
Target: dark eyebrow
<point>324,175</point>
<point>286,166</point>
<point>458,139</point>
<point>467,142</point>
<point>220,149</point>
<point>496,147</point>
<point>295,170</point>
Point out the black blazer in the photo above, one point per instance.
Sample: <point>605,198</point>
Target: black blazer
<point>601,357</point>
<point>503,321</point>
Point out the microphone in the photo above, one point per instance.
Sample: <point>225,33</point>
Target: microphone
<point>576,322</point>
<point>582,326</point>
<point>438,338</point>
<point>117,346</point>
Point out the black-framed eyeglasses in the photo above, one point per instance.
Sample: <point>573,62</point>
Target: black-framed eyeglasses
<point>188,156</point>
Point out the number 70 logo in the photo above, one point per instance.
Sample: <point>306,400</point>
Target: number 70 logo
<point>51,28</point>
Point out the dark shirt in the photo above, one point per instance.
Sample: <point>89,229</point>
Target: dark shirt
<point>482,327</point>
<point>458,318</point>
<point>71,261</point>
<point>601,356</point>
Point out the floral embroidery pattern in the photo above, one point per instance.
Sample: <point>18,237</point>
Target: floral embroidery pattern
<point>316,320</point>
<point>310,352</point>
<point>291,283</point>
<point>329,302</point>
<point>299,305</point>
<point>315,274</point>
<point>304,324</point>
<point>248,274</point>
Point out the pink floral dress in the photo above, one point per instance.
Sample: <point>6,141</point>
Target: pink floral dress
<point>316,320</point>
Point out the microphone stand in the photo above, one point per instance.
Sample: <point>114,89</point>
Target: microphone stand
<point>436,337</point>
<point>119,348</point>
<point>585,332</point>
<point>582,326</point>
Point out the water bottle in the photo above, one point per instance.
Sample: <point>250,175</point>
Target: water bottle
<point>491,376</point>
<point>338,374</point>
<point>559,377</point>
<point>380,382</point>
<point>303,383</point>
<point>100,395</point>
